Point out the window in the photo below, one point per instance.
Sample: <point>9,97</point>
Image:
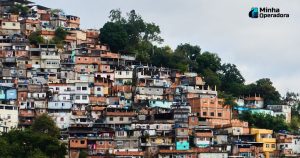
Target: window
<point>98,89</point>
<point>82,142</point>
<point>111,119</point>
<point>127,72</point>
<point>119,72</point>
<point>273,145</point>
<point>57,88</point>
<point>193,119</point>
<point>84,97</point>
<point>212,114</point>
<point>77,97</point>
<point>204,113</point>
<point>120,133</point>
<point>61,119</point>
<point>219,114</point>
<point>121,118</point>
<point>3,24</point>
<point>14,24</point>
<point>84,88</point>
<point>78,88</point>
<point>267,145</point>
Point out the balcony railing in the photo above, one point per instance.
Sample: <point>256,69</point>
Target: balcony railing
<point>9,60</point>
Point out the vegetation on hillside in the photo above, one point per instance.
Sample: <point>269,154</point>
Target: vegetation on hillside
<point>260,120</point>
<point>40,141</point>
<point>35,38</point>
<point>131,34</point>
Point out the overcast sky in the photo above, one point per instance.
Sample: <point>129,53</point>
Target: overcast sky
<point>261,48</point>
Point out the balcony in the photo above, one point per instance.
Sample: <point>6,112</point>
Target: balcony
<point>9,60</point>
<point>26,114</point>
<point>71,38</point>
<point>286,140</point>
<point>97,100</point>
<point>267,140</point>
<point>50,57</point>
<point>67,61</point>
<point>25,122</point>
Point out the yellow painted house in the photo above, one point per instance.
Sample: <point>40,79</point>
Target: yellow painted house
<point>159,140</point>
<point>265,136</point>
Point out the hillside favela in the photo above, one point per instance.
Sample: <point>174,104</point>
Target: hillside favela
<point>117,92</point>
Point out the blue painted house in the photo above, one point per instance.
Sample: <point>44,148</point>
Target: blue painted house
<point>2,94</point>
<point>7,92</point>
<point>11,94</point>
<point>182,144</point>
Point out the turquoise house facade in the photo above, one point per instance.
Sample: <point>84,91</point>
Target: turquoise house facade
<point>182,145</point>
<point>8,94</point>
<point>11,94</point>
<point>2,94</point>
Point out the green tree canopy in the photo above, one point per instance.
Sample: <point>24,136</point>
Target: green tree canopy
<point>19,9</point>
<point>44,124</point>
<point>28,144</point>
<point>35,38</point>
<point>129,34</point>
<point>210,61</point>
<point>260,120</point>
<point>232,80</point>
<point>114,35</point>
<point>265,88</point>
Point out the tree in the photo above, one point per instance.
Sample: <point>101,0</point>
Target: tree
<point>211,78</point>
<point>130,34</point>
<point>114,35</point>
<point>30,144</point>
<point>188,51</point>
<point>161,56</point>
<point>19,9</point>
<point>60,35</point>
<point>44,124</point>
<point>116,16</point>
<point>83,154</point>
<point>208,60</point>
<point>35,38</point>
<point>56,11</point>
<point>265,88</point>
<point>266,121</point>
<point>232,80</point>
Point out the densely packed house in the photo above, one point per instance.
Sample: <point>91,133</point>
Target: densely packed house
<point>110,105</point>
